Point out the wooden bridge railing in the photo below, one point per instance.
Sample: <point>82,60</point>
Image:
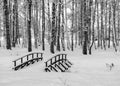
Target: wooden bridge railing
<point>27,58</point>
<point>59,57</point>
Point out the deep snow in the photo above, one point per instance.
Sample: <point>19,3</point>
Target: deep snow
<point>89,70</point>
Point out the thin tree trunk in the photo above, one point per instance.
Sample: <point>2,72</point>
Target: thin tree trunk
<point>72,28</point>
<point>6,22</point>
<point>16,22</point>
<point>29,25</point>
<point>76,22</point>
<point>114,26</point>
<point>35,23</point>
<point>43,25</point>
<point>13,40</point>
<point>59,26</point>
<point>49,23</point>
<point>93,23</point>
<point>106,19</point>
<point>86,23</point>
<point>102,28</point>
<point>53,32</point>
<point>109,31</point>
<point>62,28</point>
<point>98,30</point>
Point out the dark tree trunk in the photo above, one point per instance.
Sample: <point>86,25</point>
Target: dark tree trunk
<point>98,31</point>
<point>43,25</point>
<point>7,25</point>
<point>102,27</point>
<point>29,25</point>
<point>49,23</point>
<point>72,40</point>
<point>58,30</point>
<point>109,31</point>
<point>13,33</point>
<point>85,42</point>
<point>53,33</point>
<point>15,23</point>
<point>86,23</point>
<point>114,26</point>
<point>62,28</point>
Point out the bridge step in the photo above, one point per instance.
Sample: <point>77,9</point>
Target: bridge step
<point>67,65</point>
<point>63,66</point>
<point>54,68</point>
<point>69,62</point>
<point>47,70</point>
<point>60,68</point>
<point>58,63</point>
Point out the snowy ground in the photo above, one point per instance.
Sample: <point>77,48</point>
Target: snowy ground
<point>86,71</point>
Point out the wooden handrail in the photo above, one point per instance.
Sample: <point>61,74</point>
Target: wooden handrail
<point>26,56</point>
<point>55,56</point>
<point>56,59</point>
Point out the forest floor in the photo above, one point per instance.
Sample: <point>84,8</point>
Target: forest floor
<point>89,70</point>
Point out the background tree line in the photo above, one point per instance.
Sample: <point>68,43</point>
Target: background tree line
<point>61,24</point>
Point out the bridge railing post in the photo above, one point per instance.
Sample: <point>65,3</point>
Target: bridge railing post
<point>27,57</point>
<point>46,64</point>
<point>59,59</point>
<point>51,63</point>
<point>21,60</point>
<point>55,60</point>
<point>37,55</point>
<point>65,57</point>
<point>41,55</point>
<point>62,57</point>
<point>32,55</point>
<point>14,63</point>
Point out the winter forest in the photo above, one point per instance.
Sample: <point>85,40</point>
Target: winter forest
<point>61,24</point>
<point>40,39</point>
